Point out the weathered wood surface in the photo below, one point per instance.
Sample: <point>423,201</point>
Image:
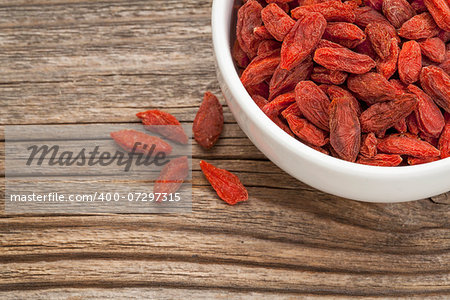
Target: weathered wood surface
<point>76,61</point>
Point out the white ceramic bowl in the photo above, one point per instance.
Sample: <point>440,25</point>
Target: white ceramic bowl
<point>326,173</point>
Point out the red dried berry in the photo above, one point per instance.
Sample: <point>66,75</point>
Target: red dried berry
<point>346,34</point>
<point>284,81</point>
<point>419,27</point>
<point>306,131</point>
<point>369,145</point>
<point>334,91</point>
<point>397,11</point>
<point>375,4</point>
<point>409,62</point>
<point>163,123</point>
<point>440,10</point>
<point>259,100</point>
<point>380,34</point>
<point>333,10</point>
<point>260,69</point>
<point>277,22</point>
<point>404,144</point>
<point>292,110</point>
<point>434,49</point>
<point>172,176</point>
<point>313,103</point>
<point>381,160</point>
<point>345,130</point>
<point>302,40</point>
<point>436,83</point>
<point>429,118</point>
<point>239,56</point>
<point>343,59</point>
<point>249,17</point>
<point>384,115</point>
<point>279,103</point>
<point>227,185</point>
<point>421,160</point>
<point>366,15</point>
<point>328,44</point>
<point>371,87</point>
<point>262,33</point>
<point>388,66</point>
<point>267,47</point>
<point>130,139</point>
<point>444,140</point>
<point>323,75</point>
<point>208,122</point>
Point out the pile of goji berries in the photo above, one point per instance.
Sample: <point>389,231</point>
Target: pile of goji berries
<point>367,83</point>
<point>207,127</point>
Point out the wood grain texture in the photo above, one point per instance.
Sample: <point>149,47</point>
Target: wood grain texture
<point>80,61</point>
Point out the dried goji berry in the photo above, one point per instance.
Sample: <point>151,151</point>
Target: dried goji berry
<point>279,103</point>
<point>343,59</point>
<point>383,115</point>
<point>130,139</point>
<point>284,81</point>
<point>400,86</point>
<point>372,87</point>
<point>418,6</point>
<point>401,126</point>
<point>381,160</point>
<point>409,62</point>
<point>380,35</point>
<point>444,140</point>
<point>259,100</point>
<point>172,176</point>
<point>328,44</point>
<point>366,48</point>
<point>262,33</point>
<point>239,56</point>
<point>421,160</point>
<point>366,15</point>
<point>388,66</point>
<point>411,121</point>
<point>429,117</point>
<point>302,40</point>
<point>292,110</point>
<point>444,36</point>
<point>333,10</point>
<point>306,131</point>
<point>267,47</point>
<point>163,123</point>
<point>313,103</point>
<point>334,91</point>
<point>346,34</point>
<point>375,4</point>
<point>277,22</point>
<point>440,10</point>
<point>369,145</point>
<point>434,49</point>
<point>436,83</point>
<point>404,144</point>
<point>397,11</point>
<point>260,69</point>
<point>419,27</point>
<point>227,185</point>
<point>249,17</point>
<point>208,122</point>
<point>323,75</point>
<point>345,130</point>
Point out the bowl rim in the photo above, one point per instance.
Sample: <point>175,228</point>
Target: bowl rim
<point>221,26</point>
